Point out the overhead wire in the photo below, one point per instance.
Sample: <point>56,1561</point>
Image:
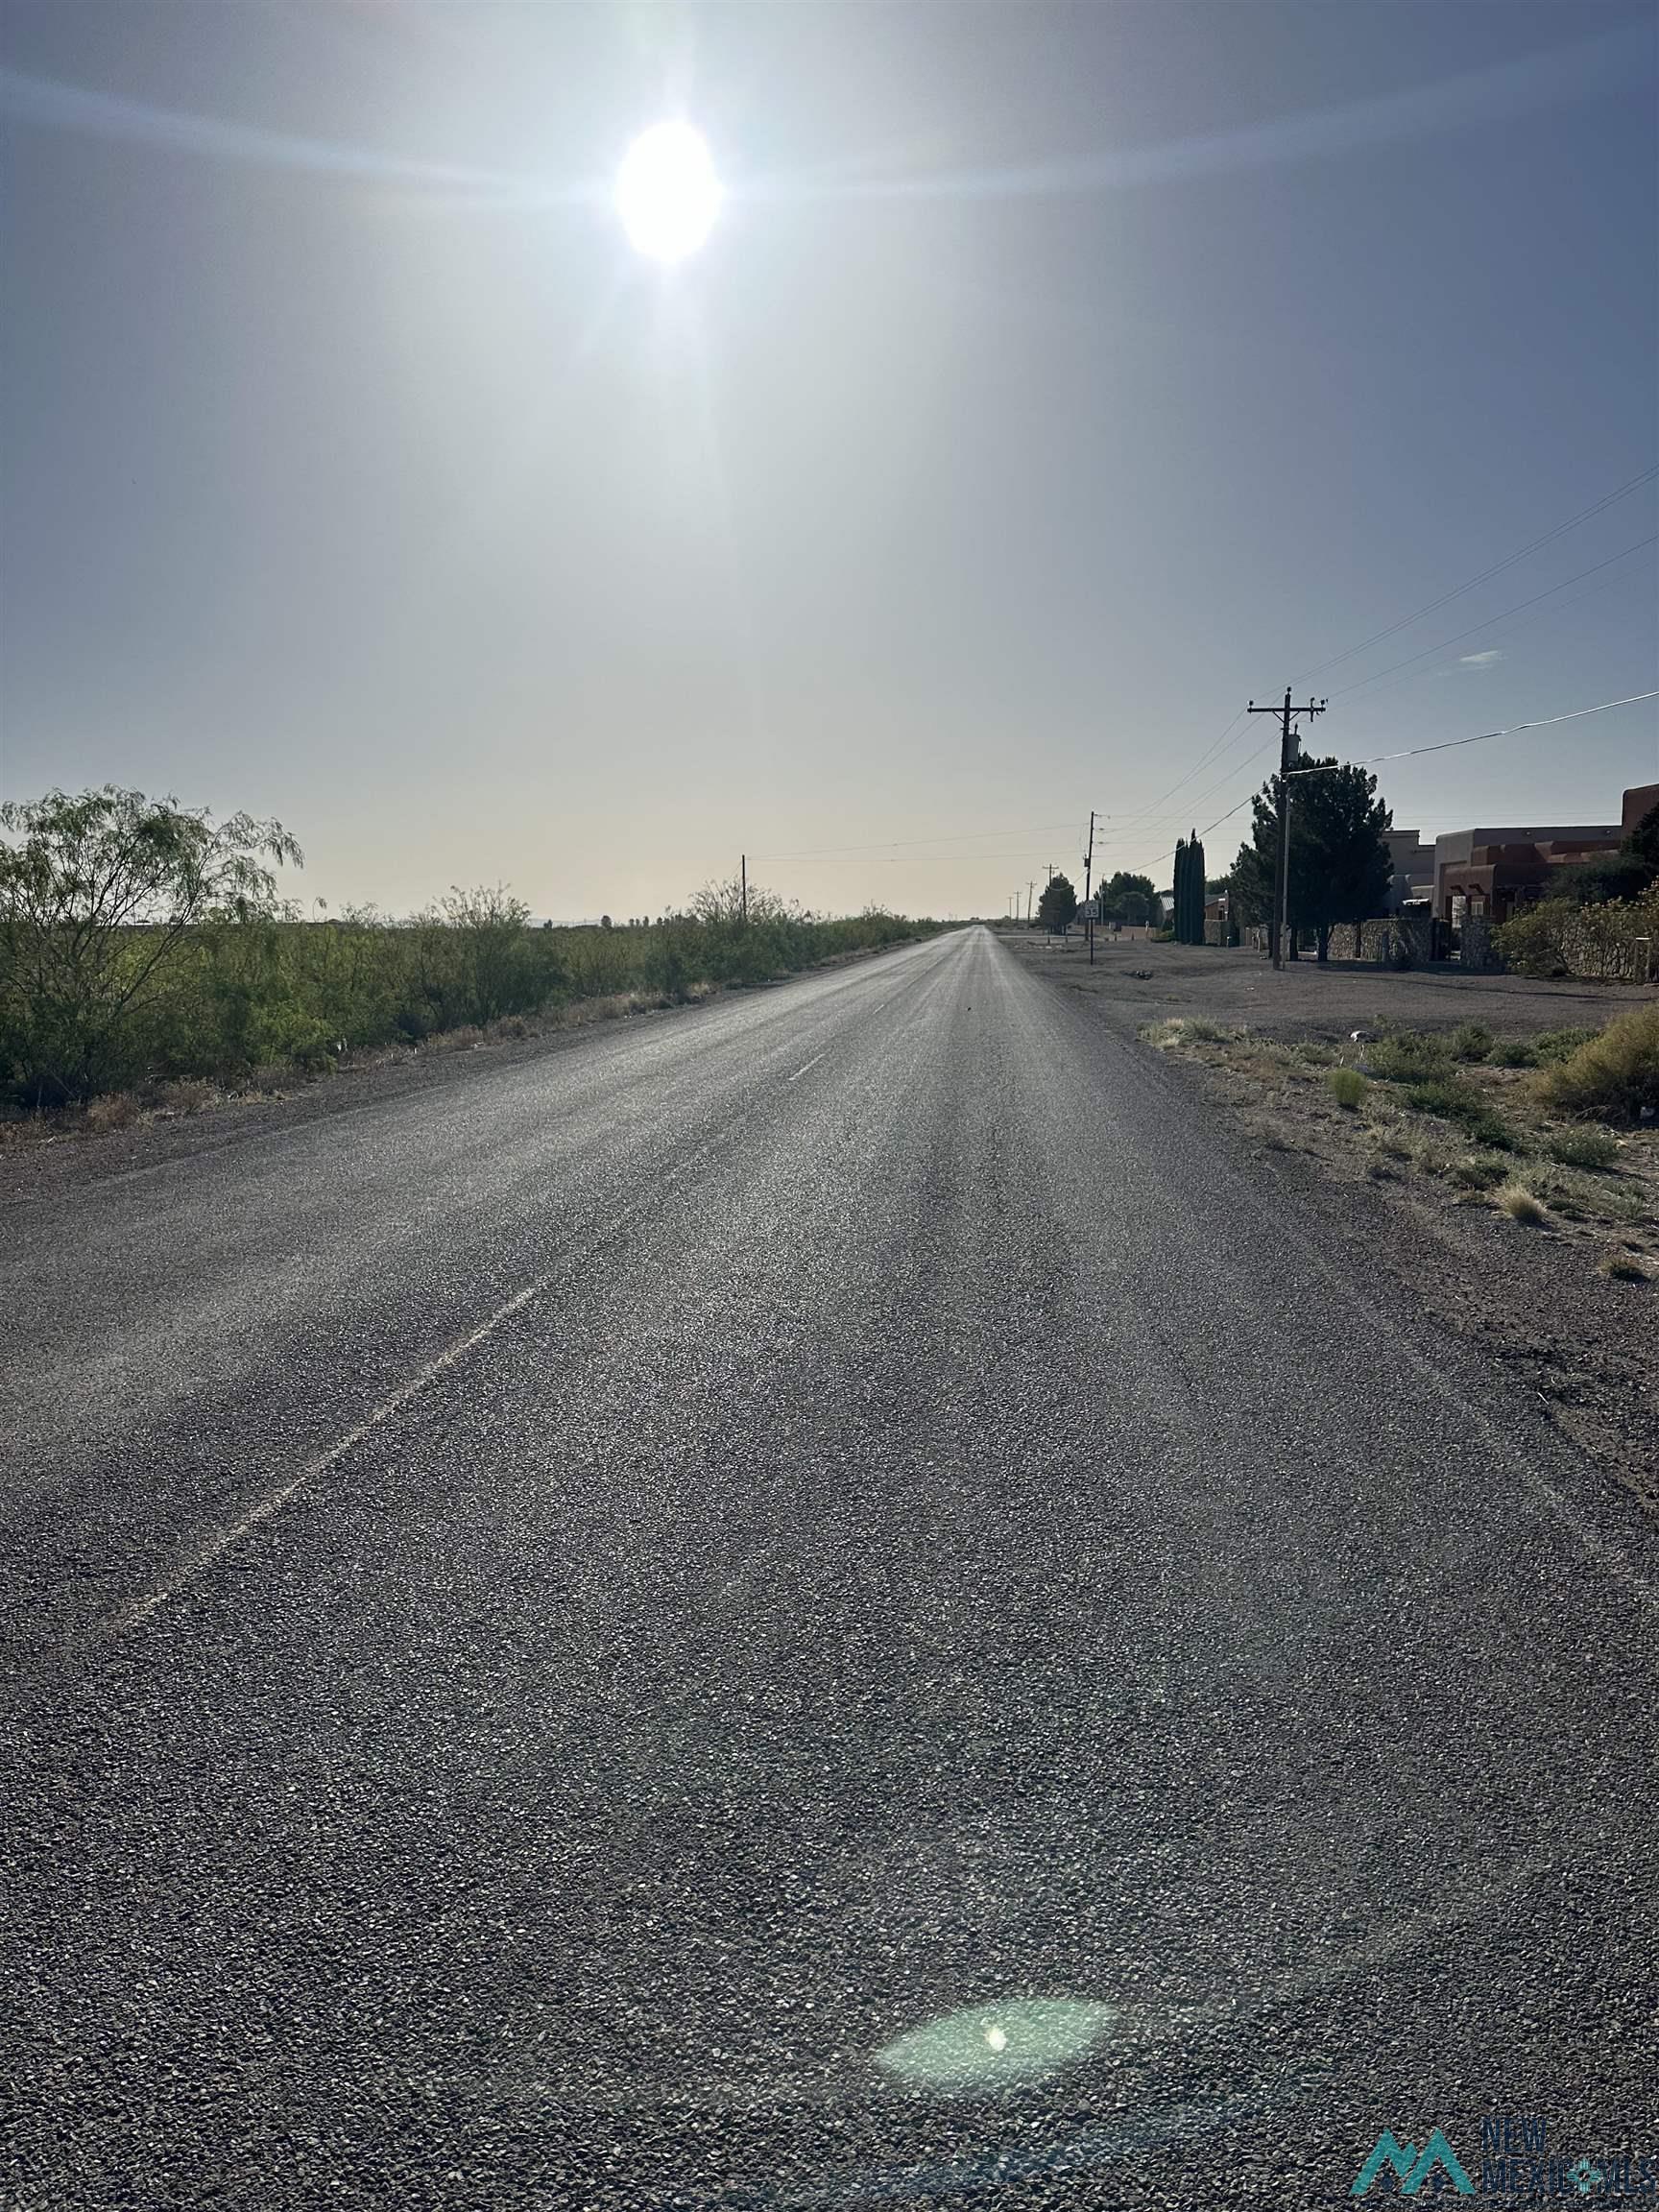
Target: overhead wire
<point>1444,598</point>
<point>1481,737</point>
<point>1519,609</point>
<point>1496,568</point>
<point>1412,751</point>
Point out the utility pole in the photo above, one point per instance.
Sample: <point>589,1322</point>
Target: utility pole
<point>1286,761</point>
<point>1029,889</point>
<point>743,877</point>
<point>1088,871</point>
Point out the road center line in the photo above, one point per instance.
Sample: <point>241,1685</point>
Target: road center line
<point>272,1500</point>
<point>807,1071</point>
<point>221,1541</point>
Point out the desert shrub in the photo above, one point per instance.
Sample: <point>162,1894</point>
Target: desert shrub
<point>141,944</point>
<point>1471,1041</point>
<point>1514,1053</point>
<point>1592,1149</point>
<point>114,1110</point>
<point>1614,1075</point>
<point>1478,1172</point>
<point>100,895</point>
<point>188,1096</point>
<point>1535,941</point>
<point>1180,1030</point>
<point>1562,937</point>
<point>1519,1203</point>
<point>1551,1045</point>
<point>1348,1087</point>
<point>1451,1101</point>
<point>1408,1056</point>
<point>1621,1266</point>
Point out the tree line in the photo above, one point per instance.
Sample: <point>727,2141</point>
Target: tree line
<point>143,942</point>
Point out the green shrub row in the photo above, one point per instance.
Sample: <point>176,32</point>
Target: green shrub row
<point>141,941</point>
<point>1562,937</point>
<point>232,995</point>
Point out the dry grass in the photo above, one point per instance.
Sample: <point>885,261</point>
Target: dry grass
<point>1622,1267</point>
<point>190,1096</point>
<point>1468,1127</point>
<point>115,1110</point>
<point>1519,1203</point>
<point>1596,1150</point>
<point>1612,1076</point>
<point>1478,1173</point>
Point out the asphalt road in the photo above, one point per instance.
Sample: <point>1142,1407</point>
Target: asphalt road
<point>827,1601</point>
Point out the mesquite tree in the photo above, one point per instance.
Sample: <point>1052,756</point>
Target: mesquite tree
<point>97,890</point>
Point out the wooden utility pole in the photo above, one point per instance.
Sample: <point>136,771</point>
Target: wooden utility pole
<point>1281,928</point>
<point>1088,871</point>
<point>743,877</point>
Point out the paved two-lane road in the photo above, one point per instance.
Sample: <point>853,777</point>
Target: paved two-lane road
<point>823,1602</point>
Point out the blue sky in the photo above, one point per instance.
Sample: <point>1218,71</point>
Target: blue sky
<point>1055,380</point>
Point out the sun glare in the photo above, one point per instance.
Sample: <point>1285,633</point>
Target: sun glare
<point>668,193</point>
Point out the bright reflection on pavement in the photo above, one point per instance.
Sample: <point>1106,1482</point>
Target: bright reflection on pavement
<point>1006,2043</point>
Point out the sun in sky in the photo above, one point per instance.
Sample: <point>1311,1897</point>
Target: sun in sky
<point>667,192</point>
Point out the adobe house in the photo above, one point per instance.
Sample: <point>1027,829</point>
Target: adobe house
<point>1413,863</point>
<point>1491,871</point>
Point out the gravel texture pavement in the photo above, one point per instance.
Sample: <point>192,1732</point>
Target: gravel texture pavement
<point>831,1602</point>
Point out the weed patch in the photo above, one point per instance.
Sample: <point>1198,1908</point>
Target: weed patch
<point>1478,1172</point>
<point>1472,1040</point>
<point>1520,1204</point>
<point>1451,1101</point>
<point>1622,1267</point>
<point>1614,1075</point>
<point>1594,1150</point>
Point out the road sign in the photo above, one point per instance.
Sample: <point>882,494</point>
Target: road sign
<point>1090,910</point>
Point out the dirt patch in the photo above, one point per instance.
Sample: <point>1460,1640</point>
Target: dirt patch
<point>1137,981</point>
<point>1535,1237</point>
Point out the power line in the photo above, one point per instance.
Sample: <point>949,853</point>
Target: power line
<point>1451,744</point>
<point>1496,569</point>
<point>1446,745</point>
<point>1519,609</point>
<point>1203,761</point>
<point>1501,626</point>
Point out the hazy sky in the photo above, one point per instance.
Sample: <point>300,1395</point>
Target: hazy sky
<point>1055,380</point>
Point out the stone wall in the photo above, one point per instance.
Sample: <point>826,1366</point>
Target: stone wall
<point>1477,948</point>
<point>1616,942</point>
<point>1362,941</point>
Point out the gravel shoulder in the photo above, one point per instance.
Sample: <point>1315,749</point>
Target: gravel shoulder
<point>1136,981</point>
<point>1532,1299</point>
